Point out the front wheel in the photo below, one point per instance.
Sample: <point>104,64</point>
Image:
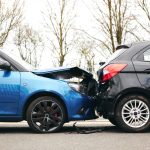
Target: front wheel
<point>46,114</point>
<point>133,113</point>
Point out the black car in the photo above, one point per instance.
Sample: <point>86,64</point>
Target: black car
<point>124,87</point>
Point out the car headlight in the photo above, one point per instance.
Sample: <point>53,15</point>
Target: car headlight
<point>74,86</point>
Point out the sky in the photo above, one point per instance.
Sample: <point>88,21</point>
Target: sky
<point>33,9</point>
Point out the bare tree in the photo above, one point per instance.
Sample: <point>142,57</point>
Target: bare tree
<point>10,18</point>
<point>114,20</point>
<point>86,53</point>
<point>145,7</point>
<point>58,22</point>
<point>85,49</point>
<point>29,44</point>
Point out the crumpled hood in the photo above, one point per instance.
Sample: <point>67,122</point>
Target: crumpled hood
<point>62,72</point>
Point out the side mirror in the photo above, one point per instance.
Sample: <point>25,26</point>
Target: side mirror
<point>5,65</point>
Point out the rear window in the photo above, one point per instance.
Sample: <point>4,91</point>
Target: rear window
<point>116,54</point>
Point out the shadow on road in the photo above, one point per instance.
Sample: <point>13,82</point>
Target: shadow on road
<point>64,130</point>
<point>13,130</point>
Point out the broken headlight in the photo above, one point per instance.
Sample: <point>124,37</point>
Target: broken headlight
<point>78,87</point>
<point>74,86</point>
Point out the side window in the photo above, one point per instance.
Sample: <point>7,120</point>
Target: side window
<point>2,61</point>
<point>146,55</point>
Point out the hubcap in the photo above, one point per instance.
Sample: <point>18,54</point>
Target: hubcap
<point>135,113</point>
<point>47,115</point>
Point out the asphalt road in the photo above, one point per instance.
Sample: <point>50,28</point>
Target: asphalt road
<point>18,136</point>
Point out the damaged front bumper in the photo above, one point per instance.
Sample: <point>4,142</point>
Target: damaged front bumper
<point>82,107</point>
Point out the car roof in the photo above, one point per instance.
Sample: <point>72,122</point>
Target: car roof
<point>132,50</point>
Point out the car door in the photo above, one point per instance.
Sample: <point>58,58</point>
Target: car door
<point>9,91</point>
<point>142,67</point>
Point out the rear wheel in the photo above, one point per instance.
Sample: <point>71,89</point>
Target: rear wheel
<point>133,113</point>
<point>46,114</point>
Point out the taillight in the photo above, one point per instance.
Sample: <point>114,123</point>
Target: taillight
<point>111,70</point>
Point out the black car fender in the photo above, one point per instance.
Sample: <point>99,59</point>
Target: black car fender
<point>131,91</point>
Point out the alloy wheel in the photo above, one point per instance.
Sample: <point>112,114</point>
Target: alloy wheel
<point>47,115</point>
<point>135,113</point>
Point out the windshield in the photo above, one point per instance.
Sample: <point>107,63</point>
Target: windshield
<point>20,61</point>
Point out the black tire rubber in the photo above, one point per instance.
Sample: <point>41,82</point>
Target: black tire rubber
<point>119,118</point>
<point>33,104</point>
<point>113,121</point>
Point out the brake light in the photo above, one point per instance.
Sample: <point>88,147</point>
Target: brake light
<point>111,70</point>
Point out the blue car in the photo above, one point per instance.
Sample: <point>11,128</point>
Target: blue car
<point>45,99</point>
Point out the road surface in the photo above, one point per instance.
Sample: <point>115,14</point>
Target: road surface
<point>18,136</point>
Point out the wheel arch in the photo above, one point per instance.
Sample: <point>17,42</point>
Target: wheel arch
<point>131,91</point>
<point>40,94</point>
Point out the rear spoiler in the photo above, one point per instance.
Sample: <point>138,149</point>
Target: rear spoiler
<point>123,46</point>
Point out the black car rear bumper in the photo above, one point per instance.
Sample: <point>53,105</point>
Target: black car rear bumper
<point>105,107</point>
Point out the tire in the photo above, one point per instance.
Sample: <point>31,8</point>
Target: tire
<point>113,121</point>
<point>133,113</point>
<point>46,115</point>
